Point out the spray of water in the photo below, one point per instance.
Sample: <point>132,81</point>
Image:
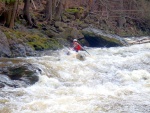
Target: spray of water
<point>110,80</point>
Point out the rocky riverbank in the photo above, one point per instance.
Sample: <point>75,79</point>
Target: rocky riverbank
<point>24,42</point>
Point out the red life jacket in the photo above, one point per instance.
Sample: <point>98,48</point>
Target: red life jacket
<point>77,46</point>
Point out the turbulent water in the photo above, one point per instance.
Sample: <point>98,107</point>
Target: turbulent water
<point>109,80</point>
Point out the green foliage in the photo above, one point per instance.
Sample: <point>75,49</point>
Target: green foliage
<point>8,1</point>
<point>72,11</point>
<point>11,34</point>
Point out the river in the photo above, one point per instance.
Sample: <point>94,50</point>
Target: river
<point>109,80</point>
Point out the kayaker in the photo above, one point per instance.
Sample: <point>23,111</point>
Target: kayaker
<point>77,46</point>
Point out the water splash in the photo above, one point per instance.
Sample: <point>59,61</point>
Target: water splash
<point>111,80</point>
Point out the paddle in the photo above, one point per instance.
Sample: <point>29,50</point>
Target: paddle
<point>86,51</point>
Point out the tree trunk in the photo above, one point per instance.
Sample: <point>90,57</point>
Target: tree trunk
<point>26,12</point>
<point>90,3</point>
<point>59,9</point>
<point>54,6</point>
<point>13,14</point>
<point>48,10</point>
<point>122,19</point>
<point>8,13</point>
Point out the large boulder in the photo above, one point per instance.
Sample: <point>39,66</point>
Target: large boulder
<point>18,75</point>
<point>4,46</point>
<point>19,48</point>
<point>14,44</point>
<point>98,38</point>
<point>60,24</point>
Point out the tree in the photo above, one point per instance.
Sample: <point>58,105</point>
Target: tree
<point>122,19</point>
<point>11,25</point>
<point>49,9</point>
<point>10,12</point>
<point>59,9</point>
<point>53,9</point>
<point>26,14</point>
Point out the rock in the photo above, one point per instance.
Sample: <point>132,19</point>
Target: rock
<point>83,25</point>
<point>15,44</point>
<point>2,85</point>
<point>19,48</point>
<point>20,27</point>
<point>50,33</point>
<point>19,75</point>
<point>65,38</point>
<point>76,33</point>
<point>4,46</point>
<point>29,51</point>
<point>60,29</point>
<point>6,81</point>
<point>80,56</point>
<point>70,17</point>
<point>98,38</point>
<point>64,19</point>
<point>137,40</point>
<point>60,24</point>
<point>24,72</point>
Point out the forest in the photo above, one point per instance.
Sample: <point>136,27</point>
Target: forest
<point>114,13</point>
<point>60,21</point>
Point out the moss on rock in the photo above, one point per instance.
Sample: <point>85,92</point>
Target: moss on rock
<point>43,43</point>
<point>72,10</point>
<point>35,40</point>
<point>76,11</point>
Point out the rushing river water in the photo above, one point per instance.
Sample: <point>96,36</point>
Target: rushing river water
<point>110,80</point>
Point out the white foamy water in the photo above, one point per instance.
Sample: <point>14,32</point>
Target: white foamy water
<point>110,80</point>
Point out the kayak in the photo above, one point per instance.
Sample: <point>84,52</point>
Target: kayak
<point>80,56</point>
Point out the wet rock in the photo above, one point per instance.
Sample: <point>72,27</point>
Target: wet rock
<point>60,24</point>
<point>19,75</point>
<point>137,40</point>
<point>83,25</point>
<point>80,56</point>
<point>2,85</point>
<point>24,72</point>
<point>29,51</point>
<point>6,81</point>
<point>76,33</point>
<point>4,46</point>
<point>60,29</point>
<point>98,38</point>
<point>20,49</point>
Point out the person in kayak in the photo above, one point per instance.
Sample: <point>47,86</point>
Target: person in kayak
<point>77,46</point>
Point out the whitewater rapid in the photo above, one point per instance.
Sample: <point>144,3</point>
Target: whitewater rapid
<point>109,80</point>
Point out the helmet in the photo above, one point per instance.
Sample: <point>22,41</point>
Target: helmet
<point>75,40</point>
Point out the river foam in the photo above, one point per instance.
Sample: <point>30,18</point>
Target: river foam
<point>109,80</point>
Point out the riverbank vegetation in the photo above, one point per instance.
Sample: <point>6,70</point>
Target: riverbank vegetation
<point>52,24</point>
<point>116,15</point>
